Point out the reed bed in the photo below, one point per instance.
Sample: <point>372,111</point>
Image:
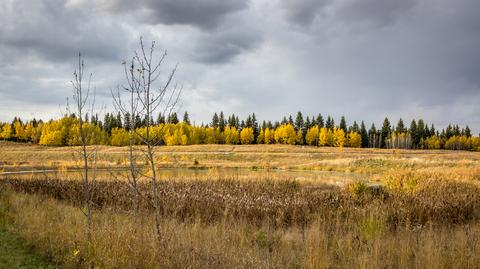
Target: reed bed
<point>406,200</point>
<point>360,229</point>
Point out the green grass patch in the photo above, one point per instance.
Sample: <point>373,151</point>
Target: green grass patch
<point>14,253</point>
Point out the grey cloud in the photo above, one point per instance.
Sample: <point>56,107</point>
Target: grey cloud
<point>206,14</point>
<point>50,29</point>
<point>223,46</point>
<point>378,12</point>
<point>366,59</point>
<point>303,12</point>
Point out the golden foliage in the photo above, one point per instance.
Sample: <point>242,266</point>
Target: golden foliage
<point>246,136</point>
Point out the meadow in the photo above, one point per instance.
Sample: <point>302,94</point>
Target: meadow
<point>250,206</point>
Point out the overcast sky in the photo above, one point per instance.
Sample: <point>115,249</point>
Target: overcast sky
<point>365,59</point>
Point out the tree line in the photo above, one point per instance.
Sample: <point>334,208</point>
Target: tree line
<point>313,131</point>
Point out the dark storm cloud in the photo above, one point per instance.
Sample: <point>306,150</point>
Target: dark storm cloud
<point>52,29</point>
<point>366,59</point>
<point>221,37</point>
<point>223,46</point>
<point>410,58</point>
<point>205,14</point>
<point>39,41</point>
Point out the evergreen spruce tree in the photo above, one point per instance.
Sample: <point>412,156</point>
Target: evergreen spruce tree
<point>307,123</point>
<point>432,130</point>
<point>385,132</point>
<point>248,122</point>
<point>276,125</point>
<point>290,120</point>
<point>214,123</point>
<point>442,135</point>
<point>456,130</point>
<point>320,122</point>
<point>107,123</point>
<point>468,132</point>
<point>160,119</point>
<point>372,137</point>
<point>264,125</point>
<point>420,130</point>
<point>118,123</point>
<point>428,133</point>
<point>231,121</point>
<point>400,126</point>
<point>330,124</point>
<point>255,127</point>
<point>449,132</point>
<point>343,124</point>
<point>414,133</point>
<point>186,118</point>
<point>221,122</point>
<point>127,120</point>
<point>364,135</point>
<point>138,122</point>
<point>270,125</point>
<point>298,121</point>
<point>172,118</point>
<point>354,127</point>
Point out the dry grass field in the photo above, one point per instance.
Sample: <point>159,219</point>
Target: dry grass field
<point>258,206</point>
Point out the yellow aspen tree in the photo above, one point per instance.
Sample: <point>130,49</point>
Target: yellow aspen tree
<point>19,131</point>
<point>323,137</point>
<point>37,132</point>
<point>119,137</point>
<point>231,135</point>
<point>246,136</point>
<point>339,137</point>
<point>278,135</point>
<point>6,131</point>
<point>330,138</point>
<point>210,136</point>
<point>291,136</point>
<point>261,137</point>
<point>475,143</point>
<point>269,136</point>
<point>312,136</point>
<point>354,140</point>
<point>29,131</point>
<point>285,134</point>
<point>299,137</point>
<point>433,142</point>
<point>51,135</point>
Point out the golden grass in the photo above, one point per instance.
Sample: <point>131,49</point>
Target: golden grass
<point>15,156</point>
<point>122,240</point>
<point>263,206</point>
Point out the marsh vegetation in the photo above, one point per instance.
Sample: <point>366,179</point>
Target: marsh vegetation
<point>262,206</point>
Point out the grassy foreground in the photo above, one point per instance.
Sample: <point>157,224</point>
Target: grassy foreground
<point>426,215</point>
<point>15,254</point>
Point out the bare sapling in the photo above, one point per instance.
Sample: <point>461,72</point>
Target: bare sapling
<point>127,103</point>
<point>84,101</point>
<point>147,95</point>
